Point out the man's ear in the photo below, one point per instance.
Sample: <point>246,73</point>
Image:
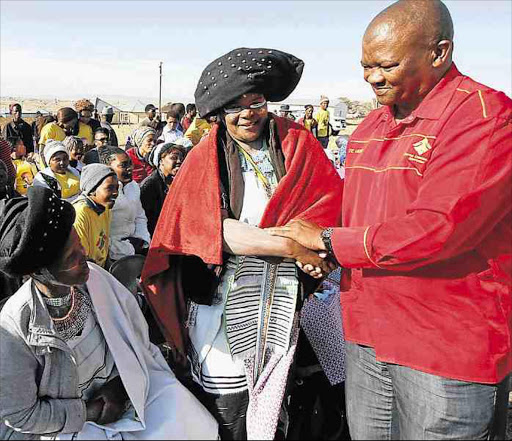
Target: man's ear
<point>442,53</point>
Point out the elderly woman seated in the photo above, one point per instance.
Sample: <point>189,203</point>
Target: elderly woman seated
<point>59,176</point>
<point>76,359</point>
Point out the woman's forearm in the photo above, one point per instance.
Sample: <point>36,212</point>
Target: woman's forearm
<point>244,239</point>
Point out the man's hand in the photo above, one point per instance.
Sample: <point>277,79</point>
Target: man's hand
<point>304,232</point>
<point>114,397</point>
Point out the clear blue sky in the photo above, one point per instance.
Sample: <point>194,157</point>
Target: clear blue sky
<point>75,48</point>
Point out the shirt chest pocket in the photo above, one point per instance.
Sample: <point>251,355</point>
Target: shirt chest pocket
<point>417,153</point>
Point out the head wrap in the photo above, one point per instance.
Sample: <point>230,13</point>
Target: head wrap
<point>273,73</point>
<point>185,142</point>
<point>140,133</point>
<point>160,149</point>
<point>323,98</point>
<point>53,147</point>
<point>93,175</point>
<point>84,104</point>
<point>33,231</point>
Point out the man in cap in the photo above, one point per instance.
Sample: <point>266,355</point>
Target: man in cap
<point>152,119</point>
<point>107,114</point>
<point>19,128</point>
<point>285,112</point>
<point>253,170</point>
<point>99,187</point>
<point>323,117</point>
<point>427,211</point>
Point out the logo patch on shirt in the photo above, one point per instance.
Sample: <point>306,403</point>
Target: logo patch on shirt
<point>102,241</point>
<point>422,146</point>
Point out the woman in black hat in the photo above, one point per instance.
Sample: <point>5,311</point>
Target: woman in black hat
<point>76,359</point>
<point>225,292</point>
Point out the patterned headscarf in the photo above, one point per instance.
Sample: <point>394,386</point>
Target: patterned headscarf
<point>140,133</point>
<point>84,104</point>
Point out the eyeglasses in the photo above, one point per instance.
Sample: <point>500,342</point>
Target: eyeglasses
<point>101,139</point>
<point>238,109</point>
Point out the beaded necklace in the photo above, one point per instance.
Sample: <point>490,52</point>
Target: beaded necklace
<point>72,324</point>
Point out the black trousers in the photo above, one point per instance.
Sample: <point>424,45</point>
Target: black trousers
<point>229,411</point>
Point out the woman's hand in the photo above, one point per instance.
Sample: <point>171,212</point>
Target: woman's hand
<point>93,409</point>
<point>304,232</point>
<point>114,397</point>
<point>312,263</point>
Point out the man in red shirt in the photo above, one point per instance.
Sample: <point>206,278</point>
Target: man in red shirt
<point>189,117</point>
<point>427,236</point>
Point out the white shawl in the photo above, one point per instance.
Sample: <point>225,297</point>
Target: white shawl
<point>164,408</point>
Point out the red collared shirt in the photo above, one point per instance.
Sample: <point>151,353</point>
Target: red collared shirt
<point>427,215</point>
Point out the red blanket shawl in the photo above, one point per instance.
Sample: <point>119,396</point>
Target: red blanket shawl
<point>190,222</point>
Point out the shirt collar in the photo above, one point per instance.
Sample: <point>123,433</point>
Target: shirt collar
<point>97,208</point>
<point>436,101</point>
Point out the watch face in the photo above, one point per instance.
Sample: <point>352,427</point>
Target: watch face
<point>326,234</point>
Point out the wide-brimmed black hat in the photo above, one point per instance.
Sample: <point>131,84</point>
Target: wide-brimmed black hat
<point>271,72</point>
<point>33,231</point>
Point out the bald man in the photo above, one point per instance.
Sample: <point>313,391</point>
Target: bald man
<point>427,215</point>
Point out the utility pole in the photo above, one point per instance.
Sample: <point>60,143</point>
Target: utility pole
<point>160,92</point>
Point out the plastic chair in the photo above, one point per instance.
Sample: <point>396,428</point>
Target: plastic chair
<point>128,270</point>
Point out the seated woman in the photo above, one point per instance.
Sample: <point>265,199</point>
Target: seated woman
<point>129,233</point>
<point>59,176</point>
<point>143,139</point>
<point>76,359</point>
<point>167,159</point>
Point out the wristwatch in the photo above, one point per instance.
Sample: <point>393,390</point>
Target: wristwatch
<point>326,239</point>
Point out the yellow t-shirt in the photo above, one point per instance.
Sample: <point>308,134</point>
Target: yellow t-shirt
<point>197,130</point>
<point>322,117</point>
<point>93,230</point>
<point>308,124</point>
<point>25,173</point>
<point>69,184</point>
<point>53,131</point>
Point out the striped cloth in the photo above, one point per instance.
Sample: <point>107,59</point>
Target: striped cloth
<point>260,309</point>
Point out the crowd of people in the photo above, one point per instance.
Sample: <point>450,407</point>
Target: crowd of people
<point>285,293</point>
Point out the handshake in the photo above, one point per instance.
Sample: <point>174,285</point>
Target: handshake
<point>307,247</point>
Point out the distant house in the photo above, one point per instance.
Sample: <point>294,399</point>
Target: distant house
<point>126,112</point>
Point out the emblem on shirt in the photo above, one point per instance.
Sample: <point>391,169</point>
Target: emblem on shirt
<point>102,241</point>
<point>422,146</point>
